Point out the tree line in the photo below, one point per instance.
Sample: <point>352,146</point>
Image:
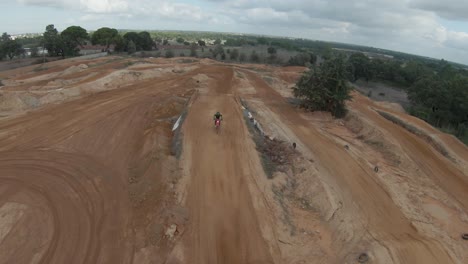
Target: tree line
<point>9,47</point>
<point>438,91</point>
<point>69,42</point>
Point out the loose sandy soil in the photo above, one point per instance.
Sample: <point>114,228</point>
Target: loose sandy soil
<point>91,170</point>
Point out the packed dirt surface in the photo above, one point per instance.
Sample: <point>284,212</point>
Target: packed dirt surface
<point>116,160</point>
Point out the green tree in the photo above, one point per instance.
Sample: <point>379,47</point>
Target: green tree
<point>166,42</point>
<point>234,42</point>
<point>313,58</point>
<point>158,40</point>
<point>218,50</point>
<point>3,40</point>
<point>234,54</point>
<point>262,41</point>
<point>242,57</point>
<point>414,70</point>
<point>77,35</point>
<point>300,59</point>
<point>34,52</point>
<point>377,68</point>
<point>272,51</point>
<point>135,38</point>
<point>145,41</point>
<point>169,54</point>
<point>254,56</point>
<point>53,41</point>
<point>201,43</point>
<point>11,48</point>
<point>131,47</point>
<point>120,44</point>
<point>217,42</point>
<point>193,50</point>
<point>5,37</point>
<point>73,37</point>
<point>106,36</point>
<point>325,88</point>
<point>180,40</point>
<point>440,101</point>
<point>360,66</point>
<point>327,52</point>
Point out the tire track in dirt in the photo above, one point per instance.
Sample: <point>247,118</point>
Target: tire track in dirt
<point>65,195</point>
<point>224,227</point>
<point>78,197</point>
<point>368,209</point>
<point>438,168</point>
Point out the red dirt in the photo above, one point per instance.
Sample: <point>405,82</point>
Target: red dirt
<point>90,177</point>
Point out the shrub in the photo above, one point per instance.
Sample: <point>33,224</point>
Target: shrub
<point>325,88</point>
<point>169,54</point>
<point>254,56</point>
<point>242,57</point>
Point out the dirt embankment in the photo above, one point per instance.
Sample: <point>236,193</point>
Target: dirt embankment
<point>372,204</point>
<point>93,173</point>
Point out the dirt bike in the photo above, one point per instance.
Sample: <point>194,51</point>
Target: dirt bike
<point>217,125</point>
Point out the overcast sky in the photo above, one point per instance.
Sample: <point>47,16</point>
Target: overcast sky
<point>435,28</point>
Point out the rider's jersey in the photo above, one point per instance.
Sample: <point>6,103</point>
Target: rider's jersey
<point>218,116</point>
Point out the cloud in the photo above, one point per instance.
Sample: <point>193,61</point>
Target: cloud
<point>441,36</point>
<point>448,9</point>
<point>94,6</point>
<point>404,25</point>
<point>105,6</point>
<point>47,3</point>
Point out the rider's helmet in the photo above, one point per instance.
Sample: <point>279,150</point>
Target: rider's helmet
<point>218,113</point>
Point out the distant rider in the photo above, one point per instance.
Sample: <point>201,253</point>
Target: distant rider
<point>217,116</point>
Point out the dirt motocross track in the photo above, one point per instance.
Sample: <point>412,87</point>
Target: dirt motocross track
<point>92,171</point>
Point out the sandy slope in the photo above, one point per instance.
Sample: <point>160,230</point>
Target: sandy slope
<point>369,210</point>
<point>89,176</point>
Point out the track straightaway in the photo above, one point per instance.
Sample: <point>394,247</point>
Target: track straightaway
<point>224,226</point>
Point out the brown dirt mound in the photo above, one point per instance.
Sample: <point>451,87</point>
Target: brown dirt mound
<point>87,173</point>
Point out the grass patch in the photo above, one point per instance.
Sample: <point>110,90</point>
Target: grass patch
<point>436,145</point>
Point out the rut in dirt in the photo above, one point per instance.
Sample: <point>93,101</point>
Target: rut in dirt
<point>224,226</point>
